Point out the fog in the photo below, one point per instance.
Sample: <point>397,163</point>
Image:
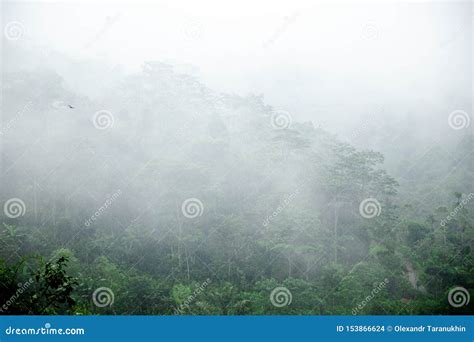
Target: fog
<point>299,55</point>
<point>318,145</point>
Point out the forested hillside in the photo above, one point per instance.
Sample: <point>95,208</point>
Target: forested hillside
<point>161,196</point>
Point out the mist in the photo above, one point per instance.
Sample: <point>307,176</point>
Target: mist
<point>310,151</point>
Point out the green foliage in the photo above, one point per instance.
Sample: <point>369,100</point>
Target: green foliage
<point>281,210</point>
<point>48,290</point>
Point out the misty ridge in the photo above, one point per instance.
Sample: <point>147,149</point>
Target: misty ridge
<point>160,195</point>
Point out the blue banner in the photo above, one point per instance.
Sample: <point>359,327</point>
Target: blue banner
<point>237,328</point>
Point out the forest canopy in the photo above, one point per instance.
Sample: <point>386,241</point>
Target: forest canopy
<point>161,196</point>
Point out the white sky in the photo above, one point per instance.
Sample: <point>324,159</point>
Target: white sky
<point>304,56</point>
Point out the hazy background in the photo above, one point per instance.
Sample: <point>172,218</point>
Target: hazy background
<point>320,146</point>
<point>330,63</point>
